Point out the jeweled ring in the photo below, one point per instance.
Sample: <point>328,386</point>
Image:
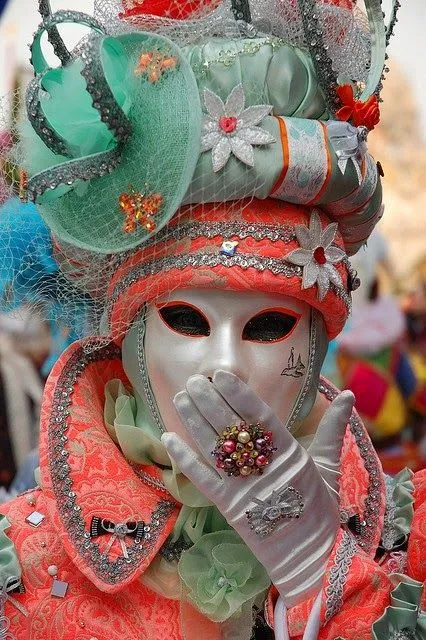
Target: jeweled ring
<point>244,449</point>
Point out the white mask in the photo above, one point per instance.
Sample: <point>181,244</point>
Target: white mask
<point>266,340</point>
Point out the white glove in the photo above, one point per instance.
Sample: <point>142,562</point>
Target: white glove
<point>296,551</point>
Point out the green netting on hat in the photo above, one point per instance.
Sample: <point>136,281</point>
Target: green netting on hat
<point>144,140</point>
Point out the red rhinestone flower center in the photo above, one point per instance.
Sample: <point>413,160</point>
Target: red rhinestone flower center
<point>319,255</point>
<point>228,124</point>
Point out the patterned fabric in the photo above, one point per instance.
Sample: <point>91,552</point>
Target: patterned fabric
<point>106,485</point>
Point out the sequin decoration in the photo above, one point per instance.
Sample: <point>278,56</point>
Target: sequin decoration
<point>230,129</point>
<point>282,504</point>
<point>244,449</point>
<point>140,208</point>
<point>153,64</point>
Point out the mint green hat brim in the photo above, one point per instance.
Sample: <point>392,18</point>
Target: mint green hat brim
<point>159,156</point>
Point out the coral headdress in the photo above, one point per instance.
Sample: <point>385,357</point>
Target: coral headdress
<point>211,143</point>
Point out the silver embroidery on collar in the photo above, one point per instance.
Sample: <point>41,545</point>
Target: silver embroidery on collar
<point>111,572</point>
<point>371,513</point>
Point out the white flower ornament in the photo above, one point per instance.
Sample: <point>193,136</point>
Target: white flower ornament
<point>230,129</point>
<point>317,256</point>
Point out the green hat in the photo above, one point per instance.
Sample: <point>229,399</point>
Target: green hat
<point>120,124</point>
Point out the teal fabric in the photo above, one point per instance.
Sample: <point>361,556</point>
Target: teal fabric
<point>271,72</point>
<point>159,157</point>
<point>221,575</point>
<point>10,569</point>
<point>403,612</point>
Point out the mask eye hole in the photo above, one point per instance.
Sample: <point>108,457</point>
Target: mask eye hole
<point>184,319</point>
<point>271,325</point>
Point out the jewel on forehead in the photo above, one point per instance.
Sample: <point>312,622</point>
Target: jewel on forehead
<point>229,248</point>
<point>153,64</point>
<point>139,208</point>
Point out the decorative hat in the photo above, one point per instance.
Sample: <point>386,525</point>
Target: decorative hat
<point>171,117</point>
<point>245,249</point>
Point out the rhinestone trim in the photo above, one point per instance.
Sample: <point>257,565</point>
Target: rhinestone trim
<point>376,486</point>
<point>257,231</point>
<point>67,173</point>
<point>111,572</point>
<point>59,48</point>
<point>103,99</point>
<point>59,17</point>
<point>152,267</point>
<point>38,120</point>
<point>149,395</point>
<point>338,575</point>
<point>318,50</point>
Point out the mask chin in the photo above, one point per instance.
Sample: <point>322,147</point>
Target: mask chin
<point>135,365</point>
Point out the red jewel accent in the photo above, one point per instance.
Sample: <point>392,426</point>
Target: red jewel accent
<point>228,124</point>
<point>319,255</point>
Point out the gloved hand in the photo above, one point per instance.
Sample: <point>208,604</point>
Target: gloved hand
<point>294,550</point>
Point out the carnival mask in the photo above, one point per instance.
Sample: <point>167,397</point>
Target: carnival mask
<point>266,340</point>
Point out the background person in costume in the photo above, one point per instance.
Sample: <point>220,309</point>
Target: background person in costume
<point>204,185</point>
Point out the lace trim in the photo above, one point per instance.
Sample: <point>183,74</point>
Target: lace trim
<point>111,572</point>
<point>338,575</point>
<point>371,514</point>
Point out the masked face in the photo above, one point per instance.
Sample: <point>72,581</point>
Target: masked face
<point>266,340</point>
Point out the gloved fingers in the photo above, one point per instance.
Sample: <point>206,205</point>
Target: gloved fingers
<point>193,466</point>
<point>326,448</point>
<point>250,407</point>
<point>211,404</point>
<point>200,430</point>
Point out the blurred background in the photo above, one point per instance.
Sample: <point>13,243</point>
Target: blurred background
<point>381,355</point>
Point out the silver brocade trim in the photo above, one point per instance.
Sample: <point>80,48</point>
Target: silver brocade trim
<point>245,261</point>
<point>370,522</point>
<point>111,572</point>
<point>59,48</point>
<point>318,50</point>
<point>337,576</point>
<point>305,389</point>
<point>60,17</point>
<point>68,172</point>
<point>149,395</point>
<point>257,231</point>
<point>103,99</point>
<point>38,120</point>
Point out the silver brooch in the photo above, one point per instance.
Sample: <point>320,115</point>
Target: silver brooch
<point>284,503</point>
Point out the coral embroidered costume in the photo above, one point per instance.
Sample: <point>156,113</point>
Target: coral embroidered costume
<point>205,187</point>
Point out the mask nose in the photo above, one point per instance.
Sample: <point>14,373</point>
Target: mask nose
<point>226,352</point>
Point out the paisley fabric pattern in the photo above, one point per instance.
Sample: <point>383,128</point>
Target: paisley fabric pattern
<point>106,485</point>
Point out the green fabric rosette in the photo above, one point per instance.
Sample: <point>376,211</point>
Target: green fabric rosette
<point>221,575</point>
<point>402,620</point>
<point>399,508</point>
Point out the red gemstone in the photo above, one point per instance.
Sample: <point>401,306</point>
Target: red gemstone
<point>261,461</point>
<point>228,124</point>
<point>229,446</point>
<point>319,255</point>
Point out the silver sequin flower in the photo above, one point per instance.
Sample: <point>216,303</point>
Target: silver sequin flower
<point>228,128</point>
<point>317,256</point>
<point>284,503</point>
